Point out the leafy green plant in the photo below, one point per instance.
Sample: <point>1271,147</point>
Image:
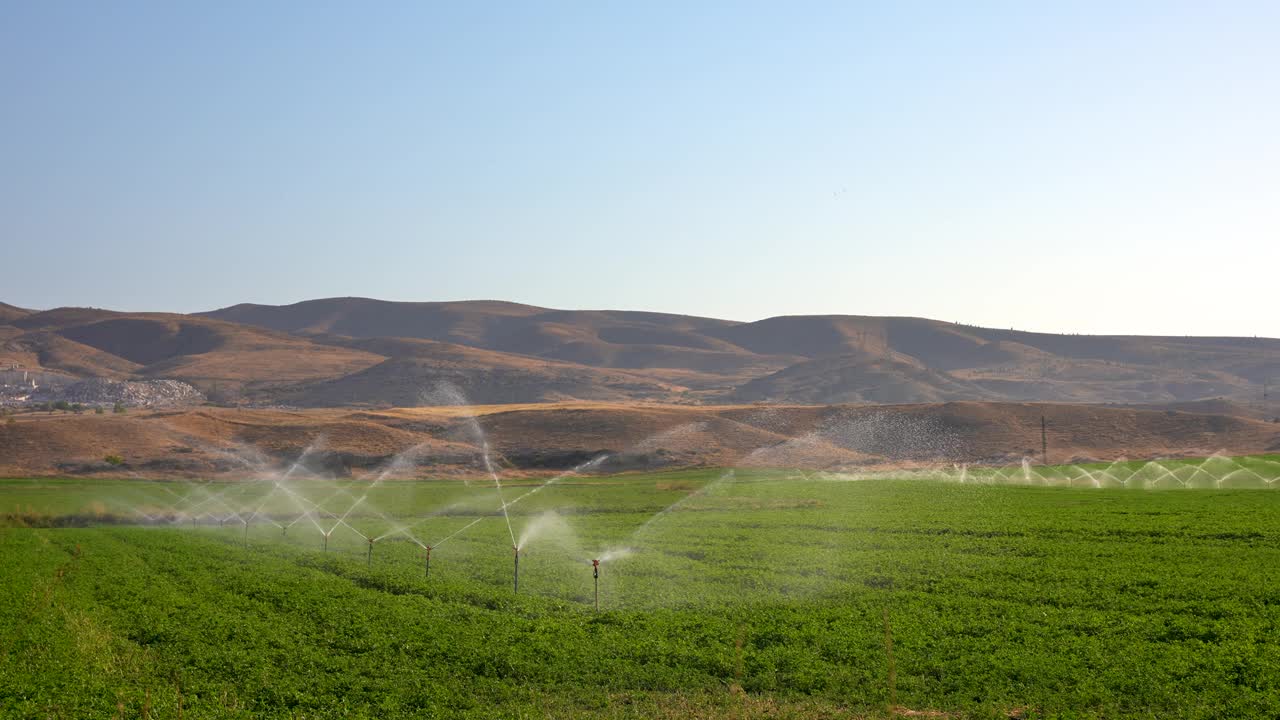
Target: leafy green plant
<point>760,596</point>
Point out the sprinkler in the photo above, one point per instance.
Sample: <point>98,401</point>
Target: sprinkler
<point>246,533</point>
<point>426,569</point>
<point>595,575</point>
<point>326,542</point>
<point>517,574</point>
<point>369,560</point>
<point>284,531</point>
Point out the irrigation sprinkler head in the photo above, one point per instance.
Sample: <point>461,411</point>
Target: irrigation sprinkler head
<point>595,580</point>
<point>516,575</point>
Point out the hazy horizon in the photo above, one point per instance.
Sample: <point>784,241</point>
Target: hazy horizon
<point>1085,169</point>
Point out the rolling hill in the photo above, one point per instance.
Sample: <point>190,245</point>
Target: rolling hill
<point>413,368</point>
<point>248,363</point>
<point>9,313</point>
<point>611,339</point>
<point>365,352</point>
<point>198,350</point>
<point>861,378</point>
<point>815,359</point>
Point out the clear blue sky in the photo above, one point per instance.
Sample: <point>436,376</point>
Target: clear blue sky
<point>1084,167</point>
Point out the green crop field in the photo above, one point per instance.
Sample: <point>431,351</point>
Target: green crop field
<point>742,594</point>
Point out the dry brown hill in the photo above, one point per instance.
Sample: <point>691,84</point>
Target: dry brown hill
<point>1219,406</point>
<point>859,377</point>
<point>45,350</point>
<point>9,313</point>
<point>61,317</point>
<point>809,336</point>
<point>357,351</point>
<point>616,339</point>
<point>416,368</point>
<point>248,363</point>
<point>481,323</point>
<point>153,345</point>
<point>817,358</point>
<point>557,436</point>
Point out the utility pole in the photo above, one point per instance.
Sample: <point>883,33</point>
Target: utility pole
<point>1044,443</point>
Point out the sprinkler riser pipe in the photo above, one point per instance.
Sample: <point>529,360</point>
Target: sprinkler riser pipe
<point>516,586</point>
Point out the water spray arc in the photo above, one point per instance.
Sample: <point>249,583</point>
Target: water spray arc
<point>497,484</point>
<point>206,503</point>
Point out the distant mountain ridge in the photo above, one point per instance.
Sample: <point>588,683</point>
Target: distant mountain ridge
<point>360,351</point>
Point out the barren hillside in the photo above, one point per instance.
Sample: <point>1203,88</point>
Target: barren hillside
<point>361,352</point>
<point>9,313</point>
<point>549,437</point>
<point>816,359</point>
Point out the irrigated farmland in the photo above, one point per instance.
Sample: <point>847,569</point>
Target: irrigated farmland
<point>737,594</point>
